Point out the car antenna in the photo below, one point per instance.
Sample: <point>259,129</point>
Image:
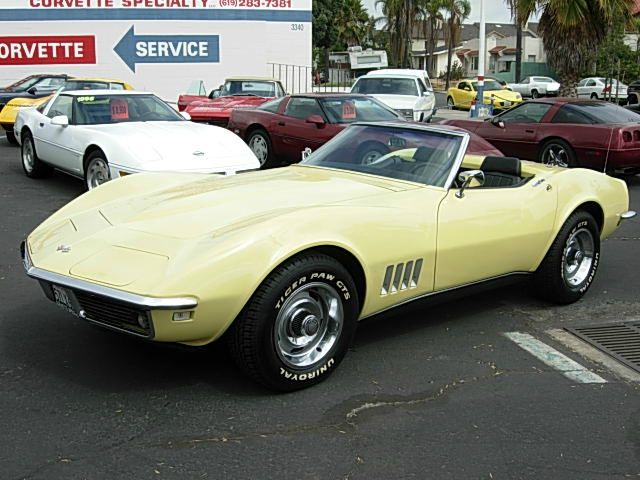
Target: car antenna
<point>606,158</point>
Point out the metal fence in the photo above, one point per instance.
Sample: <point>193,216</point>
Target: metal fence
<point>303,79</point>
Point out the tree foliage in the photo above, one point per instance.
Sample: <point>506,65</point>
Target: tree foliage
<point>572,30</point>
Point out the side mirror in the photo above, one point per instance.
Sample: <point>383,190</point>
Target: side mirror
<point>497,122</point>
<point>315,119</point>
<point>185,115</point>
<point>465,179</point>
<point>32,91</point>
<point>60,121</point>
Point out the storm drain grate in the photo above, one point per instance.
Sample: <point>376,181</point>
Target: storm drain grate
<point>619,340</point>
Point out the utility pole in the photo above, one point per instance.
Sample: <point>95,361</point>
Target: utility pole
<point>481,58</point>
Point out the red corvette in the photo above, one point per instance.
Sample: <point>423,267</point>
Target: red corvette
<point>235,93</point>
<point>577,133</point>
<point>279,131</point>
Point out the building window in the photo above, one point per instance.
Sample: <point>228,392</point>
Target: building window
<point>531,58</point>
<point>474,63</point>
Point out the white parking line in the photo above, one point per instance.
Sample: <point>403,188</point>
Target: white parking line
<point>543,352</point>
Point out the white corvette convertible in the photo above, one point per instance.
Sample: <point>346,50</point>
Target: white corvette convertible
<point>99,135</point>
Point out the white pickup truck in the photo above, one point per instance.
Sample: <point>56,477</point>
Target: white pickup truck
<point>535,87</point>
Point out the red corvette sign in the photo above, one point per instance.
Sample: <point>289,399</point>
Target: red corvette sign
<point>48,50</point>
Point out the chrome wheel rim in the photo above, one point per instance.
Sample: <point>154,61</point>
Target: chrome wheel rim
<point>556,155</point>
<point>450,102</point>
<point>370,157</point>
<point>259,147</point>
<point>577,258</point>
<point>97,173</point>
<point>28,155</point>
<point>308,325</point>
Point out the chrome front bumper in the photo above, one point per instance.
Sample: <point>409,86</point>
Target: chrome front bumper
<point>105,306</point>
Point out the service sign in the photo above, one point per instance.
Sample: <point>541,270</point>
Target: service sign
<point>156,45</point>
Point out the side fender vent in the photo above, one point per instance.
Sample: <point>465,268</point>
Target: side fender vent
<point>402,276</point>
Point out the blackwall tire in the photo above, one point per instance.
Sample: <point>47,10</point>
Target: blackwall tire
<point>298,325</point>
<point>561,149</point>
<point>570,265</point>
<point>260,144</point>
<point>11,138</point>
<point>33,167</point>
<point>535,94</point>
<point>97,170</point>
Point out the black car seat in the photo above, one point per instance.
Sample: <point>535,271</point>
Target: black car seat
<point>501,171</point>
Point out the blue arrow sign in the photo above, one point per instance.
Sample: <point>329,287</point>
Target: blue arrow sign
<point>134,49</point>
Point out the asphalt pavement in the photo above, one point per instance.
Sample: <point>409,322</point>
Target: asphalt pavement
<point>426,392</point>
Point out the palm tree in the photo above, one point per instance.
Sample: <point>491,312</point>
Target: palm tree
<point>572,30</point>
<point>458,11</point>
<point>431,13</point>
<point>351,22</point>
<point>400,16</point>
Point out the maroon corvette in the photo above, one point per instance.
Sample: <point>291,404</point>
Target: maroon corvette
<point>279,131</point>
<point>579,133</point>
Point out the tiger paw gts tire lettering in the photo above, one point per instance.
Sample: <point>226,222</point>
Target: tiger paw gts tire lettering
<point>568,269</point>
<point>298,325</point>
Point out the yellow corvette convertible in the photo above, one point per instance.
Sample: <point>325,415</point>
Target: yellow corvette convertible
<point>465,93</point>
<point>10,111</point>
<point>284,262</point>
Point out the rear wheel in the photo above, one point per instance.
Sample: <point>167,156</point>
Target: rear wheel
<point>568,269</point>
<point>260,144</point>
<point>557,152</point>
<point>11,138</point>
<point>370,152</point>
<point>534,93</point>
<point>97,170</point>
<point>31,164</point>
<point>297,327</point>
<point>594,96</point>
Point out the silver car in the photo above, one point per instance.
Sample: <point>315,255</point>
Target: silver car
<point>600,88</point>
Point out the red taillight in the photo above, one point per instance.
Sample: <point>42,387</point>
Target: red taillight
<point>606,89</point>
<point>626,136</point>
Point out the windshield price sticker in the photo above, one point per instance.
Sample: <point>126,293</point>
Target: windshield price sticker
<point>119,109</point>
<point>348,111</point>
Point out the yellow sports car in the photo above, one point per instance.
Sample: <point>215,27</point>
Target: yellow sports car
<point>284,262</point>
<point>465,93</point>
<point>10,111</point>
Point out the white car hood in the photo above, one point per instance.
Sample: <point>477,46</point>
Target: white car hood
<point>184,146</point>
<point>398,102</point>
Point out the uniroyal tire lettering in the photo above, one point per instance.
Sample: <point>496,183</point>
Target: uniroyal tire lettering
<point>330,278</point>
<point>301,377</point>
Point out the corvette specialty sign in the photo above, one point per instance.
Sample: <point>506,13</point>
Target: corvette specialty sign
<point>156,45</point>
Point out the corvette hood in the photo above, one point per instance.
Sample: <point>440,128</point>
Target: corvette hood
<point>215,205</point>
<point>192,146</point>
<point>404,102</point>
<point>226,103</point>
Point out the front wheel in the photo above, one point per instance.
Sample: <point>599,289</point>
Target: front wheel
<point>11,137</point>
<point>297,327</point>
<point>260,144</point>
<point>97,171</point>
<point>450,103</point>
<point>568,269</point>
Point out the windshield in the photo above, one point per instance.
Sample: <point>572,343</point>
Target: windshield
<point>23,84</point>
<point>248,87</point>
<point>386,86</point>
<point>101,109</point>
<point>610,81</point>
<point>488,85</point>
<point>85,85</point>
<point>354,109</point>
<point>604,112</point>
<point>424,156</point>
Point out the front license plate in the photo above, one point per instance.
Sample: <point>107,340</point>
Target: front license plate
<point>507,103</point>
<point>64,299</point>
